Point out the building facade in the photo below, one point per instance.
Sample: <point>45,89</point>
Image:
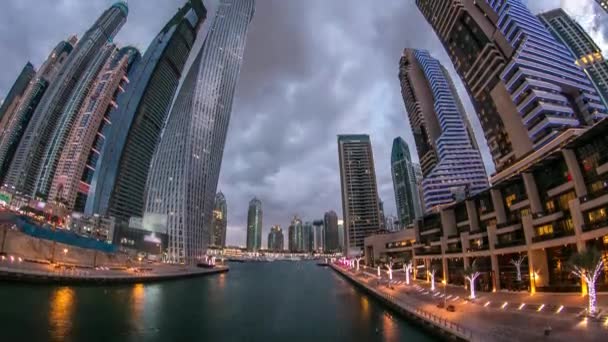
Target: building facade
<point>220,221</point>
<point>185,168</point>
<point>405,184</point>
<point>543,209</point>
<point>332,240</point>
<point>295,235</point>
<point>118,184</point>
<point>254,225</point>
<point>16,124</point>
<point>14,95</point>
<point>523,84</point>
<point>75,168</point>
<point>360,202</point>
<point>586,53</point>
<point>451,164</point>
<point>275,239</point>
<point>319,236</point>
<point>308,237</point>
<point>48,120</point>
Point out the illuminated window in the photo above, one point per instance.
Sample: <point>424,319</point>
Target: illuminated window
<point>544,230</point>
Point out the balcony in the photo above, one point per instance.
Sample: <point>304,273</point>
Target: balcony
<point>430,231</point>
<point>453,250</point>
<point>428,251</point>
<point>463,229</point>
<point>454,236</point>
<point>474,248</point>
<point>540,219</point>
<point>593,195</point>
<point>512,243</point>
<point>508,224</point>
<point>556,234</point>
<point>587,227</point>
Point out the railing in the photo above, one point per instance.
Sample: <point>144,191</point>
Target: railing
<point>506,244</point>
<point>593,195</point>
<point>453,236</point>
<point>556,234</point>
<point>508,224</point>
<point>431,251</point>
<point>595,225</point>
<point>478,248</point>
<point>463,229</point>
<point>453,250</point>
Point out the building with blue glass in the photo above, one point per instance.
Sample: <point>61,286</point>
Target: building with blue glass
<point>407,197</point>
<point>254,225</point>
<point>451,164</point>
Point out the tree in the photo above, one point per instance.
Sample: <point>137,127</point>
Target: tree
<point>358,259</point>
<point>588,265</point>
<point>471,274</point>
<point>431,272</point>
<point>407,268</point>
<point>517,263</point>
<point>390,270</point>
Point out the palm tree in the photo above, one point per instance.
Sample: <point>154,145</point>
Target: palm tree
<point>587,265</point>
<point>431,273</point>
<point>407,268</point>
<point>390,269</point>
<point>471,274</point>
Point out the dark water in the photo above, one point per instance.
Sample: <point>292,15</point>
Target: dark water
<point>278,301</point>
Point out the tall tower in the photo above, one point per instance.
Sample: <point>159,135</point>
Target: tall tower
<point>14,95</point>
<point>295,235</point>
<point>522,82</point>
<point>220,221</point>
<point>15,125</point>
<point>254,225</point>
<point>404,183</point>
<point>118,184</point>
<point>330,223</point>
<point>48,119</point>
<point>360,203</point>
<point>586,53</point>
<point>275,239</point>
<point>76,166</point>
<point>451,165</point>
<point>186,165</point>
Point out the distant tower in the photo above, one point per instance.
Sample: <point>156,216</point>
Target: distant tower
<point>319,236</point>
<point>48,119</point>
<point>332,240</point>
<point>220,221</point>
<point>254,225</point>
<point>16,124</point>
<point>360,203</point>
<point>275,239</point>
<point>295,235</point>
<point>451,164</point>
<point>403,170</point>
<point>14,95</point>
<point>185,168</point>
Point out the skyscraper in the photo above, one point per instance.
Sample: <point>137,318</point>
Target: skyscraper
<point>220,221</point>
<point>341,235</point>
<point>186,165</point>
<point>308,237</point>
<point>404,183</point>
<point>275,239</point>
<point>77,163</point>
<point>319,236</point>
<point>118,184</point>
<point>523,84</point>
<point>360,203</point>
<point>14,95</point>
<point>82,92</point>
<point>587,54</point>
<point>295,235</point>
<point>451,165</point>
<point>330,222</point>
<point>48,117</point>
<point>15,126</point>
<point>254,225</point>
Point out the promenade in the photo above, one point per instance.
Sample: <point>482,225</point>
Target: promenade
<point>492,316</point>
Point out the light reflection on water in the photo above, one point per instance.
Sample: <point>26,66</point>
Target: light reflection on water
<point>61,311</point>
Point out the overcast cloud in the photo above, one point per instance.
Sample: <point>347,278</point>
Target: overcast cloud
<point>312,69</point>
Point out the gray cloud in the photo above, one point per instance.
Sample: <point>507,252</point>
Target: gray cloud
<point>312,69</point>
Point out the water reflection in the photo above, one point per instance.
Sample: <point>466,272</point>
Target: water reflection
<point>365,308</point>
<point>388,328</point>
<point>137,302</point>
<point>61,310</point>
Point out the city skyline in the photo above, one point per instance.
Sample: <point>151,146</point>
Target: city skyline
<point>273,179</point>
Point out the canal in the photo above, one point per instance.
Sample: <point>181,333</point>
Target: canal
<point>280,301</point>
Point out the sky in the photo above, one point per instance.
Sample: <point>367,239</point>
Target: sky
<point>312,70</point>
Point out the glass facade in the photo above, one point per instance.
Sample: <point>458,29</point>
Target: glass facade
<point>185,168</point>
<point>254,225</point>
<point>220,221</point>
<point>332,239</point>
<point>405,184</point>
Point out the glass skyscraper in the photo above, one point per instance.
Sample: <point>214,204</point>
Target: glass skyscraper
<point>523,83</point>
<point>275,239</point>
<point>48,117</point>
<point>15,125</point>
<point>332,240</point>
<point>360,202</point>
<point>254,225</point>
<point>220,221</point>
<point>185,168</point>
<point>451,165</point>
<point>295,235</point>
<point>14,95</point>
<point>405,184</point>
<point>118,183</point>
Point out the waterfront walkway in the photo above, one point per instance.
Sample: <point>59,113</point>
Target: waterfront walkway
<point>488,318</point>
<point>17,269</point>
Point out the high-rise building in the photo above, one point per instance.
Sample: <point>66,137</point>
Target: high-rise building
<point>295,235</point>
<point>585,51</point>
<point>319,236</point>
<point>407,198</point>
<point>76,166</point>
<point>341,235</point>
<point>118,184</point>
<point>308,237</point>
<point>254,225</point>
<point>186,165</point>
<point>393,224</point>
<point>360,203</point>
<point>75,105</point>
<point>275,239</point>
<point>332,240</point>
<point>15,126</point>
<point>48,120</point>
<point>451,165</point>
<point>523,84</point>
<point>220,221</point>
<point>14,95</point>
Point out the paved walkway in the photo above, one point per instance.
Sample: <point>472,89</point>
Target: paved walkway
<point>491,322</point>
